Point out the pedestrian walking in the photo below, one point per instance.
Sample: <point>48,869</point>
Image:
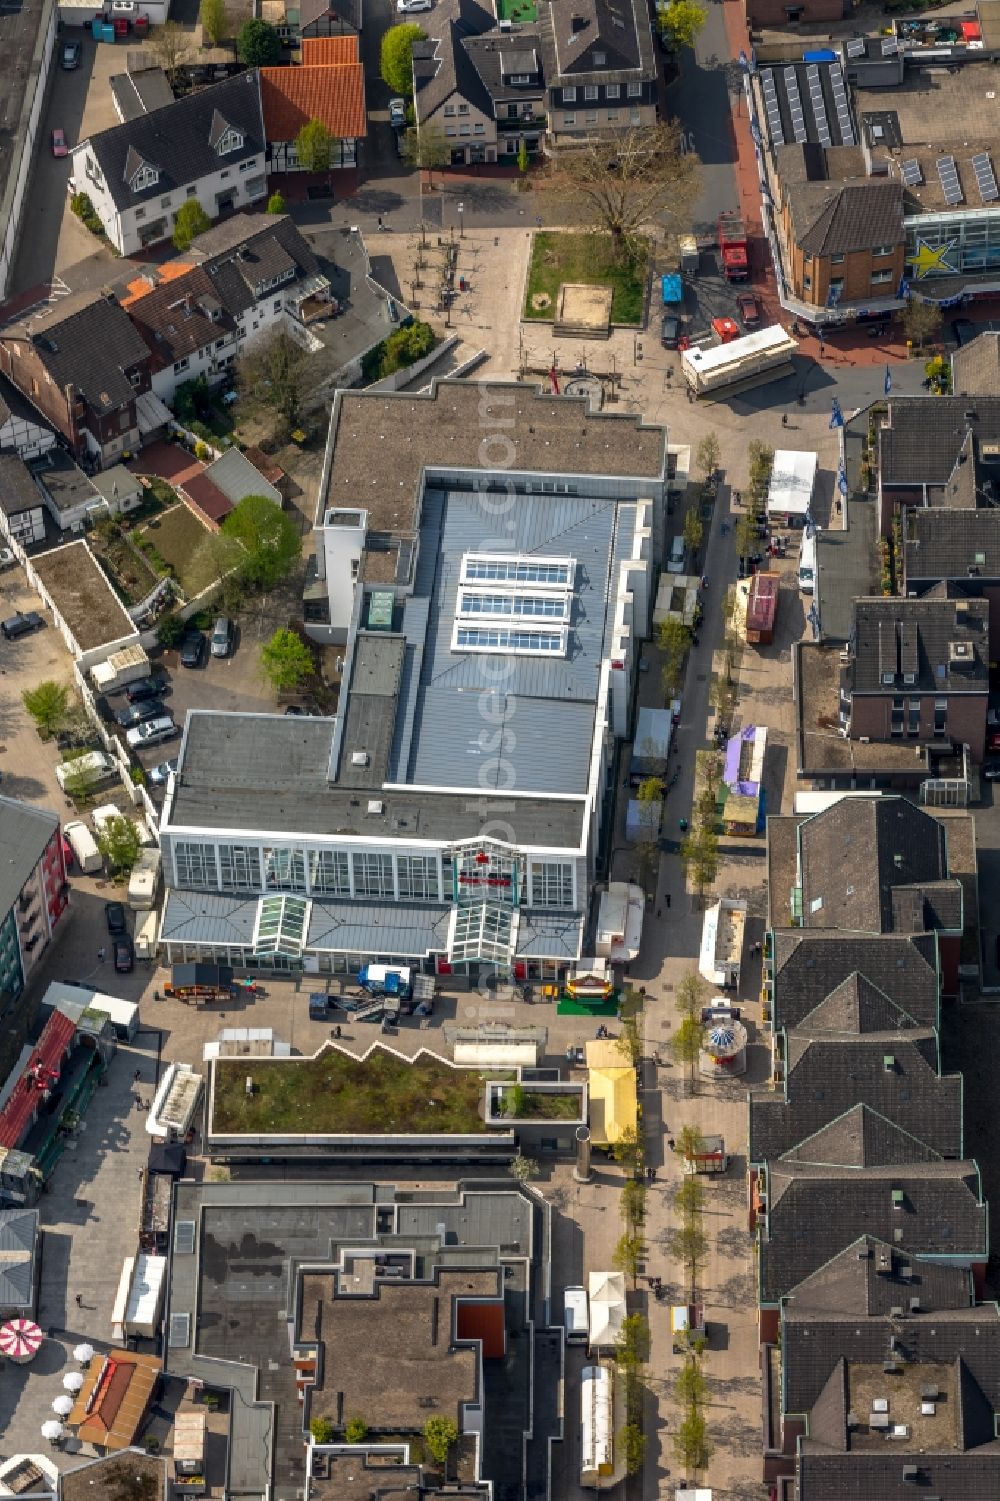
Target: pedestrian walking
<point>137,1076</point>
<point>667,900</point>
<point>79,1300</point>
<point>101,955</point>
<point>380,224</point>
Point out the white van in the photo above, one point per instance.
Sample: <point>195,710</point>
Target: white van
<point>576,1318</point>
<point>84,846</point>
<point>95,766</point>
<point>675,562</point>
<point>807,562</point>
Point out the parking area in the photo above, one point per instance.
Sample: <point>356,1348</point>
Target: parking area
<point>79,103</point>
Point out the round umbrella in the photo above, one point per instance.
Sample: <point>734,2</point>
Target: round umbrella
<point>62,1406</point>
<point>52,1430</point>
<point>72,1381</point>
<point>20,1340</point>
<point>84,1354</point>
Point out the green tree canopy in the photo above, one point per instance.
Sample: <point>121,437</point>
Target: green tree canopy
<point>396,57</point>
<point>314,147</point>
<point>522,1169</point>
<point>276,204</point>
<point>627,1255</point>
<point>440,1434</point>
<point>356,1431</point>
<point>322,1430</point>
<point>632,1349</point>
<point>691,1443</point>
<point>287,661</point>
<point>258,43</point>
<point>80,780</point>
<point>274,372</point>
<point>267,537</point>
<point>693,530</point>
<point>633,1446</point>
<point>190,222</point>
<point>426,148</point>
<point>680,22</point>
<point>708,454</point>
<point>49,706</point>
<point>119,843</point>
<point>214,21</point>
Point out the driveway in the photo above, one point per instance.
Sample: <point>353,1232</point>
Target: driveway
<point>80,103</point>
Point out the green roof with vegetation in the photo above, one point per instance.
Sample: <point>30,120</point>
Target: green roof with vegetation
<point>336,1094</point>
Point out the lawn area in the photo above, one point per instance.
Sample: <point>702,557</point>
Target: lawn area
<point>177,535</point>
<point>539,1105</point>
<point>334,1094</point>
<point>525,11</point>
<point>132,576</point>
<point>557,257</point>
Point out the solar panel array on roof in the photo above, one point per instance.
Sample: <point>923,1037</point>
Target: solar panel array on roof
<point>912,172</point>
<point>818,105</point>
<point>855,47</point>
<point>950,185</point>
<point>774,126</point>
<point>983,168</point>
<point>842,107</point>
<point>795,106</point>
<point>890,46</point>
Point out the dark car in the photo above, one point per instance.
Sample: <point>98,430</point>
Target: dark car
<point>132,714</point>
<point>71,54</point>
<point>749,309</point>
<point>114,916</point>
<point>192,649</point>
<point>144,688</point>
<point>670,330</point>
<point>990,771</point>
<point>21,625</point>
<point>124,954</point>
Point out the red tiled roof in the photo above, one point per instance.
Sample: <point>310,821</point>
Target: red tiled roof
<point>207,497</point>
<point>329,51</point>
<point>16,1115</point>
<point>294,96</point>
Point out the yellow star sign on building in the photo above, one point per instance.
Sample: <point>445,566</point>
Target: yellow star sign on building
<point>930,258</point>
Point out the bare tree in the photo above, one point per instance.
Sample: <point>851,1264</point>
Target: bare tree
<point>169,44</point>
<point>627,179</point>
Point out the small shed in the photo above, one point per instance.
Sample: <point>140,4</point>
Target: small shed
<point>619,922</point>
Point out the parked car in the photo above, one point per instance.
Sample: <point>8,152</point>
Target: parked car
<point>192,649</point>
<point>408,7</point>
<point>397,112</point>
<point>159,775</point>
<point>71,54</point>
<point>670,330</point>
<point>990,771</point>
<point>993,740</point>
<point>114,916</point>
<point>133,714</point>
<point>145,688</point>
<point>152,732</point>
<point>124,954</point>
<point>748,307</point>
<point>222,637</point>
<point>21,625</point>
<point>59,147</point>
<point>7,558</point>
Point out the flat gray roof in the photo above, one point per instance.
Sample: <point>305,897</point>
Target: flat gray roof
<point>81,593</point>
<point>65,482</point>
<point>24,832</point>
<point>269,774</point>
<point>383,442</point>
<point>847,567</point>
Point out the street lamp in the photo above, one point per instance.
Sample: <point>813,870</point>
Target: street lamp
<point>461,221</point>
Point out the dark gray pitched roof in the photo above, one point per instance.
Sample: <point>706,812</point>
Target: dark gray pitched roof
<point>855,1005</point>
<point>814,1212</point>
<point>975,368</point>
<point>88,342</point>
<point>808,966</point>
<point>582,27</point>
<point>924,435</point>
<point>879,1476</point>
<point>178,139</point>
<point>933,906</point>
<point>827,1077</point>
<point>853,853</point>
<point>839,218</point>
<point>14,404</point>
<point>311,11</point>
<point>933,645</point>
<point>939,543</point>
<point>498,55</point>
<point>18,491</point>
<point>136,93</point>
<point>860,1137</point>
<point>24,833</point>
<point>441,65</point>
<point>869,1277</point>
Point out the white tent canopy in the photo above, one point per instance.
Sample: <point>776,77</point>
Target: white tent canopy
<point>607,1308</point>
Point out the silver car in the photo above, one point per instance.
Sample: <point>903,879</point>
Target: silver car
<point>222,637</point>
<point>153,732</point>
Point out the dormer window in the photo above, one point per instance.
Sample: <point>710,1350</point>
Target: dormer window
<point>231,141</point>
<point>223,137</point>
<point>146,177</point>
